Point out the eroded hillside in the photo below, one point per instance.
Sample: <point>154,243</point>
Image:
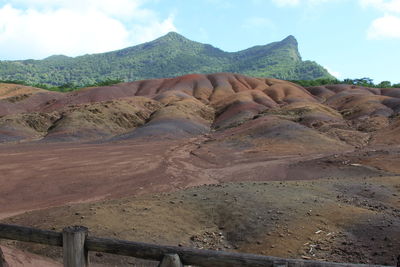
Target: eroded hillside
<point>337,115</point>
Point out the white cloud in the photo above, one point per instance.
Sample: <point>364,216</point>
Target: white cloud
<point>386,27</point>
<point>143,33</point>
<point>39,28</point>
<point>391,6</point>
<point>120,8</point>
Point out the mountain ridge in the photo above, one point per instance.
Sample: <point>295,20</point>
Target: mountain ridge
<point>167,56</point>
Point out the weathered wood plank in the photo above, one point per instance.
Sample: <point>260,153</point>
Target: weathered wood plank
<point>280,263</point>
<point>75,253</point>
<point>28,234</point>
<point>188,256</point>
<point>198,257</point>
<point>171,260</point>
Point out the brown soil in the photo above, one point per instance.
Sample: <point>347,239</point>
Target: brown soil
<point>17,92</point>
<point>348,192</point>
<point>18,258</point>
<point>344,220</point>
<point>219,161</point>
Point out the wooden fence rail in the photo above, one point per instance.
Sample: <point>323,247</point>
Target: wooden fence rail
<point>76,243</point>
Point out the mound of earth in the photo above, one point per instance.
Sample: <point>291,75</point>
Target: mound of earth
<point>389,135</point>
<point>273,133</point>
<point>15,98</point>
<point>195,104</point>
<point>16,92</point>
<point>101,119</point>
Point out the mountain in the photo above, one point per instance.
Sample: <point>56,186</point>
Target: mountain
<point>168,56</point>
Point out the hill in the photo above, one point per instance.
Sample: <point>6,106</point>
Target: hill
<point>314,117</point>
<point>168,56</point>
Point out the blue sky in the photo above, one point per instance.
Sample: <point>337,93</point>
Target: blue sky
<point>351,38</point>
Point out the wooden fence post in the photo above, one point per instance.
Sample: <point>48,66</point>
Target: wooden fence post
<point>171,260</point>
<point>3,262</point>
<point>280,263</point>
<point>75,253</point>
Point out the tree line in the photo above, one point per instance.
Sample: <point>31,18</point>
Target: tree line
<point>365,82</point>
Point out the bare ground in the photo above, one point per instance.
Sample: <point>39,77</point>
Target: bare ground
<point>219,161</point>
<point>340,207</point>
<point>352,220</point>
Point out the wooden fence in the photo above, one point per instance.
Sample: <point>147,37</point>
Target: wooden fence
<point>76,243</point>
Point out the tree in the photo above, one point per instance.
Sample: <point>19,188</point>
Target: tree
<point>364,82</point>
<point>384,84</point>
<point>348,81</point>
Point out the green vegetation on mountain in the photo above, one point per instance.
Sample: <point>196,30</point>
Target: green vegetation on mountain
<point>366,82</point>
<point>168,56</point>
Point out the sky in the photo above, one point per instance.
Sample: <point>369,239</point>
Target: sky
<point>350,38</point>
